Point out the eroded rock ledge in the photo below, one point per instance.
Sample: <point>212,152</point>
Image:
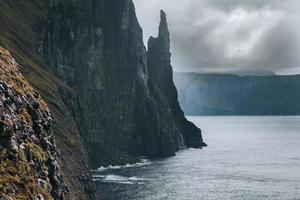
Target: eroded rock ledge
<point>28,155</point>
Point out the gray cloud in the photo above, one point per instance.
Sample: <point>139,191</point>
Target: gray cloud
<point>226,35</point>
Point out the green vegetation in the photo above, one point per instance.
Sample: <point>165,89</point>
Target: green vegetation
<point>19,177</point>
<point>19,180</point>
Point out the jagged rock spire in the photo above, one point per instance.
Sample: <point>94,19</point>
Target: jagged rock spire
<point>163,26</point>
<point>176,131</point>
<point>163,38</point>
<point>163,33</point>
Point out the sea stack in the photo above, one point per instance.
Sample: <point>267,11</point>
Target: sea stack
<point>165,93</point>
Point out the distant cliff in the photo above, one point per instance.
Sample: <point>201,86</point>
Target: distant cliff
<point>221,94</point>
<point>111,100</point>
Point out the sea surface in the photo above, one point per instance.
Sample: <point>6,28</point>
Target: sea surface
<point>248,158</point>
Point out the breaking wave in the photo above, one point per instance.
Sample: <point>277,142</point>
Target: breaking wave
<point>112,178</point>
<point>139,164</point>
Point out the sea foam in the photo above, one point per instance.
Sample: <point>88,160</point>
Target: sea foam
<point>110,167</point>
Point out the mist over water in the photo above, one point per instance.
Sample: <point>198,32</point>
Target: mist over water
<point>247,158</point>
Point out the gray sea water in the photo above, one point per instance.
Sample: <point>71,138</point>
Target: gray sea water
<point>248,158</point>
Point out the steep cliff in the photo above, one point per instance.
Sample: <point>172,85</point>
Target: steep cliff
<point>221,94</point>
<point>28,154</point>
<point>18,20</point>
<point>175,129</point>
<point>88,61</point>
<point>97,48</point>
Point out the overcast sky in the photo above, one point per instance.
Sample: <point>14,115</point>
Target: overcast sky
<point>226,35</point>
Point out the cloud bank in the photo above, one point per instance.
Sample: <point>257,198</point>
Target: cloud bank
<point>227,35</point>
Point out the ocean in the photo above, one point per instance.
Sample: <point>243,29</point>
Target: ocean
<point>247,158</point>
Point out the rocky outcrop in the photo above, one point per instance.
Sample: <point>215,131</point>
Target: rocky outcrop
<point>225,94</point>
<point>175,127</point>
<point>28,154</point>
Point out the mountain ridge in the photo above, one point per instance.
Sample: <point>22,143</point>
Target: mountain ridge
<point>227,94</point>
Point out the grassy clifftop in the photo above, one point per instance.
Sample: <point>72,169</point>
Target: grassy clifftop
<point>18,20</point>
<point>28,168</point>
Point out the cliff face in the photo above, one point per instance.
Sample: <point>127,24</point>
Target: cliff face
<point>175,129</point>
<point>111,101</point>
<point>101,53</point>
<point>97,48</point>
<point>28,154</point>
<point>235,95</point>
<point>18,20</point>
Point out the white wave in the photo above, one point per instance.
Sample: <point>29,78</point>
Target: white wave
<point>126,182</point>
<point>98,176</point>
<point>139,164</point>
<point>107,168</point>
<point>119,182</point>
<point>113,178</point>
<point>134,178</point>
<point>97,179</point>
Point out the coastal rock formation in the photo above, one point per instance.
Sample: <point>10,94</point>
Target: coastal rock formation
<point>111,100</point>
<point>28,154</point>
<point>175,127</point>
<point>97,48</point>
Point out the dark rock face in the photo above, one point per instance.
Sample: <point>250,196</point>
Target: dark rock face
<point>97,48</point>
<point>221,94</point>
<point>165,93</point>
